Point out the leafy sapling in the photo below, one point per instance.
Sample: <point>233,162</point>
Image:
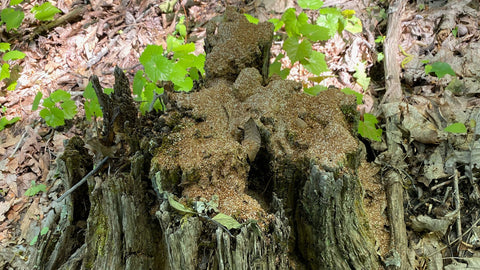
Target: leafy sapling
<point>367,127</point>
<point>57,107</point>
<point>35,189</point>
<point>177,64</point>
<point>439,68</point>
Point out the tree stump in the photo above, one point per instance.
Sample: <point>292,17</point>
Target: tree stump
<point>282,163</point>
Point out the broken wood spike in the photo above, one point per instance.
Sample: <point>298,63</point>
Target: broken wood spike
<point>119,110</point>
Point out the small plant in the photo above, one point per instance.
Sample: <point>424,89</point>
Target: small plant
<point>367,127</point>
<point>301,34</point>
<point>13,15</point>
<point>455,31</point>
<point>439,68</point>
<point>6,74</point>
<point>5,122</point>
<point>361,75</point>
<point>177,64</point>
<point>35,189</point>
<point>57,107</point>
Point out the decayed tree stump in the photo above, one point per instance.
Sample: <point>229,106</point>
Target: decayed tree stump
<point>280,162</point>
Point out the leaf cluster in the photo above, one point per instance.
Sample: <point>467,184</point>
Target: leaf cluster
<point>177,64</point>
<point>35,189</point>
<point>367,127</point>
<point>13,15</point>
<point>302,34</point>
<point>57,107</point>
<point>439,68</point>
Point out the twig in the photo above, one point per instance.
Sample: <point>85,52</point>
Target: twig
<point>19,143</point>
<point>458,238</point>
<point>456,191</point>
<point>84,179</point>
<point>217,223</point>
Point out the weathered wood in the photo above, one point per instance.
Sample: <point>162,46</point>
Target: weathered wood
<point>61,244</point>
<point>398,257</point>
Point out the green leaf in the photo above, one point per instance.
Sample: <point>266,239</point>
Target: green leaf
<point>178,73</point>
<point>4,47</point>
<point>349,91</point>
<point>290,20</point>
<point>45,12</point>
<point>276,68</point>
<point>310,4</point>
<point>12,86</point>
<point>173,42</point>
<point>456,128</point>
<point>367,128</point>
<point>15,2</point>
<point>380,39</point>
<point>34,240</point>
<point>35,189</point>
<point>179,207</point>
<point>69,109</point>
<point>157,67</point>
<point>5,122</point>
<point>194,73</point>
<point>48,102</point>
<point>440,69</point>
<point>91,105</point>
<point>455,31</point>
<point>147,97</point>
<point>185,85</point>
<point>313,91</point>
<point>5,71</point>
<point>44,231</point>
<point>428,69</point>
<point>13,55</point>
<point>12,17</point>
<point>108,91</point>
<point>314,32</point>
<point>54,117</point>
<point>92,108</point>
<point>316,63</point>
<point>89,92</point>
<point>183,49</point>
<point>277,23</point>
<point>181,29</point>
<point>353,25</point>
<point>36,101</point>
<point>227,221</point>
<point>296,51</point>
<point>361,76</point>
<point>138,84</point>
<point>60,95</point>
<point>380,56</point>
<point>251,19</point>
<point>332,19</point>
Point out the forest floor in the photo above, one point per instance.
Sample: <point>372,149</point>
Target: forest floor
<point>114,32</point>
